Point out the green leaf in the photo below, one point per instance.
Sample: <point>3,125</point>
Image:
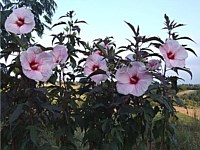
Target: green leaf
<point>154,38</point>
<point>99,71</point>
<point>119,51</point>
<point>142,146</point>
<point>191,50</point>
<point>53,78</point>
<point>45,146</point>
<point>183,69</point>
<point>171,128</point>
<point>113,146</point>
<point>17,112</point>
<point>186,38</point>
<point>106,125</point>
<point>34,136</point>
<point>77,21</point>
<point>155,54</point>
<point>178,25</point>
<point>73,62</point>
<point>132,28</point>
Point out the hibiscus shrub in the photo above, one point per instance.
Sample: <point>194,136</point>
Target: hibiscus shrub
<point>80,96</point>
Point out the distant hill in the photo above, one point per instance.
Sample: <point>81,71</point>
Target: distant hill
<point>186,92</point>
<point>183,87</point>
<point>190,97</point>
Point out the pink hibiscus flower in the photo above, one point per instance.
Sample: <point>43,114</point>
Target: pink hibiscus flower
<point>36,65</point>
<point>173,53</point>
<point>133,80</point>
<point>93,63</point>
<point>20,21</point>
<point>153,64</point>
<point>59,54</point>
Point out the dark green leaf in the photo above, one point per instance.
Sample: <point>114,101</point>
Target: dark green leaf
<point>99,71</point>
<point>142,146</point>
<point>155,54</point>
<point>186,38</point>
<point>152,39</point>
<point>183,69</point>
<point>60,23</point>
<point>191,50</point>
<point>46,146</point>
<point>17,112</point>
<point>132,28</point>
<point>77,21</point>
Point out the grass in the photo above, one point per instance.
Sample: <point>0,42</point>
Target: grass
<point>188,131</point>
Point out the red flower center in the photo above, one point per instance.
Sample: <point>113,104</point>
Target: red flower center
<point>134,79</point>
<point>95,67</point>
<point>100,53</point>
<point>20,22</point>
<point>170,55</point>
<point>34,65</point>
<point>57,60</point>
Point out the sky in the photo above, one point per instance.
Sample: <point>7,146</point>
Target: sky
<point>106,18</point>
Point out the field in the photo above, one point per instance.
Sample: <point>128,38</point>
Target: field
<point>188,130</point>
<point>188,124</point>
<point>186,92</point>
<point>192,112</point>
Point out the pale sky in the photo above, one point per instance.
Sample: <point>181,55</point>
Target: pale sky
<point>106,18</point>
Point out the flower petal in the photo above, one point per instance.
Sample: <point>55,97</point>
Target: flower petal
<point>60,53</point>
<point>24,61</point>
<point>35,75</point>
<point>87,71</point>
<point>124,88</point>
<point>177,63</point>
<point>138,90</point>
<point>181,53</point>
<point>99,77</point>
<point>26,28</point>
<point>122,75</point>
<point>46,72</point>
<point>44,58</point>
